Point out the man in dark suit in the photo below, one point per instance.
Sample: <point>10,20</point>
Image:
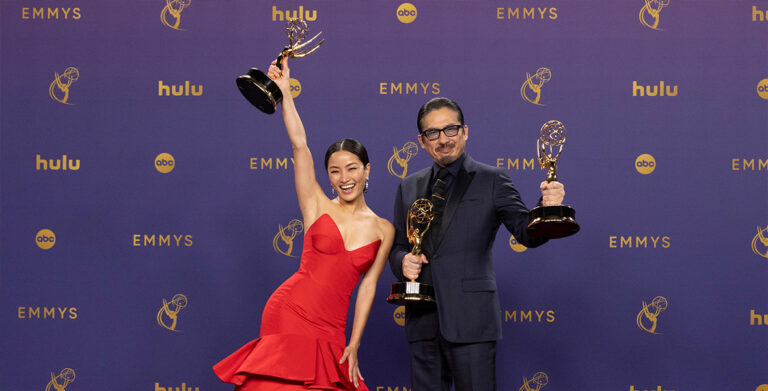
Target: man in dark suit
<point>455,341</point>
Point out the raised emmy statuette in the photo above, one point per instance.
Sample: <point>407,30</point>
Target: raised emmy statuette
<point>420,216</point>
<point>551,221</point>
<point>257,87</point>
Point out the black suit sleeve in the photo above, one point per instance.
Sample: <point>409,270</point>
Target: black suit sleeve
<point>400,247</point>
<point>511,210</point>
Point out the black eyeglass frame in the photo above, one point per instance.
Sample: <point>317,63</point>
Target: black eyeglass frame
<point>436,132</point>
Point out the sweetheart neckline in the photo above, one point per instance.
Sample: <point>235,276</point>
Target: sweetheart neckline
<point>341,237</point>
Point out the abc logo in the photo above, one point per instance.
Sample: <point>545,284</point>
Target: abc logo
<point>515,245</point>
<point>406,13</point>
<point>762,387</point>
<point>45,239</point>
<point>762,90</point>
<point>295,87</point>
<point>164,163</point>
<point>645,164</point>
<point>400,315</point>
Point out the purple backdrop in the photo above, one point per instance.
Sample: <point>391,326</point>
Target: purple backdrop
<point>685,241</point>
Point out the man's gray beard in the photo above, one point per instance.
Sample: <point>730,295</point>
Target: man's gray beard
<point>445,161</point>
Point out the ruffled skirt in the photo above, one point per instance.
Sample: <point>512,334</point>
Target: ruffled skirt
<point>286,362</point>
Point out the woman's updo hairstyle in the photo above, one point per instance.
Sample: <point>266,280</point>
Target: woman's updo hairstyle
<point>349,145</point>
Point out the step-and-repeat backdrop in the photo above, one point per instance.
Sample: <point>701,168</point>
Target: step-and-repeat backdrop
<point>148,211</point>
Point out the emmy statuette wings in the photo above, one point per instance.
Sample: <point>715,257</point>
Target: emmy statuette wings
<point>557,221</point>
<point>420,216</point>
<point>257,87</point>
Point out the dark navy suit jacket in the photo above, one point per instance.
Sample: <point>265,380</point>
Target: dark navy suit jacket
<point>460,267</point>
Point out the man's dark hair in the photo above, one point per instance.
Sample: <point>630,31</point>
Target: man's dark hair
<point>439,103</point>
<point>349,145</point>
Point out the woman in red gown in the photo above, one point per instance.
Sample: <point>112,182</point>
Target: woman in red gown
<point>302,340</point>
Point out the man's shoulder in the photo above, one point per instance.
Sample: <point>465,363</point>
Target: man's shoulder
<point>472,165</point>
<point>412,178</point>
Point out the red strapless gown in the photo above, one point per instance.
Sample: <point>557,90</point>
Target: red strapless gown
<point>304,322</point>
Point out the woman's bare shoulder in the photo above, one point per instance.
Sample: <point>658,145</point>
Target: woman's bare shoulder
<point>386,228</point>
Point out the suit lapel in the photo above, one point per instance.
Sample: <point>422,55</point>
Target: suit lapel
<point>457,192</point>
<point>422,186</point>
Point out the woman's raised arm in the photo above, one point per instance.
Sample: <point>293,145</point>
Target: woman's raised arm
<point>308,190</point>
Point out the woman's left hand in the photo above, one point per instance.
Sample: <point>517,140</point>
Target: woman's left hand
<point>350,354</point>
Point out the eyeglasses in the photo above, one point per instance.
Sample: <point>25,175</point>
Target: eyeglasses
<point>434,134</point>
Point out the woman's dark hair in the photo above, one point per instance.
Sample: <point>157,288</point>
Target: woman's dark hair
<point>349,145</point>
<point>439,103</point>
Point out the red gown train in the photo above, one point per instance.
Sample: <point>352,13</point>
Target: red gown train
<point>304,322</point>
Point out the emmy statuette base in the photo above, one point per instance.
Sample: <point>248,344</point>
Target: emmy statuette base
<point>260,90</point>
<point>411,293</point>
<point>552,222</point>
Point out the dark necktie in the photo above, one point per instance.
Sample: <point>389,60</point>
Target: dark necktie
<point>438,199</point>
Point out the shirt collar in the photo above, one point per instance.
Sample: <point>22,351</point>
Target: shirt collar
<point>453,168</point>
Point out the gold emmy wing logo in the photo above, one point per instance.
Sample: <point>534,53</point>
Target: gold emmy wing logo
<point>533,85</point>
<point>174,8</point>
<point>649,14</point>
<point>406,13</point>
<point>515,245</point>
<point>760,242</point>
<point>61,381</point>
<point>401,157</point>
<point>647,318</point>
<point>59,88</point>
<point>537,382</point>
<point>170,311</point>
<point>283,241</point>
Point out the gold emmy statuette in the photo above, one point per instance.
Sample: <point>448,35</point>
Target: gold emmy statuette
<point>558,221</point>
<point>257,87</point>
<point>420,216</point>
